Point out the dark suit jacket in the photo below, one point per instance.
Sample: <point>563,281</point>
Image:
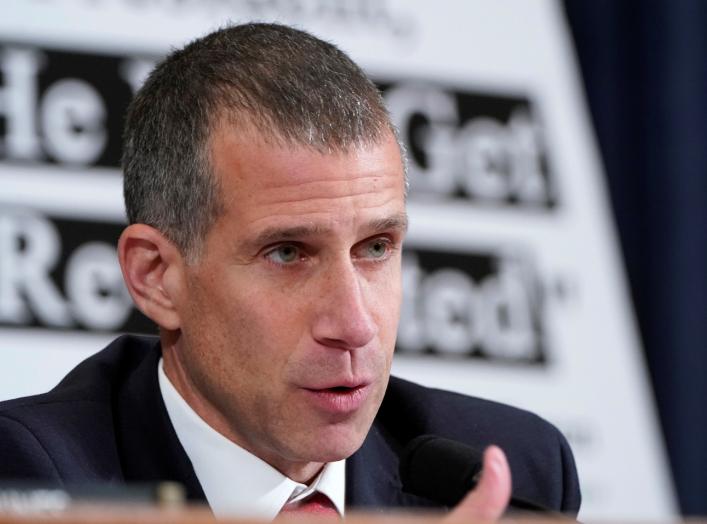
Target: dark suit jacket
<point>106,422</point>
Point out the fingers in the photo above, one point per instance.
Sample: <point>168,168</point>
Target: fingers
<point>490,498</point>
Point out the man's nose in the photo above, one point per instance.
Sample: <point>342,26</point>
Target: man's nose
<point>343,317</point>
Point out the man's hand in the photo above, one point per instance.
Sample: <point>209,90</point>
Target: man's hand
<point>489,499</point>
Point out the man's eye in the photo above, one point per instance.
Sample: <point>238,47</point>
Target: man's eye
<point>284,254</point>
<point>378,248</point>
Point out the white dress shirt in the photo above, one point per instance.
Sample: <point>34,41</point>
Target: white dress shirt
<point>236,482</point>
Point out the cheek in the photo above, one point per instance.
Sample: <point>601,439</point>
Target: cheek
<point>261,327</point>
<point>385,298</point>
<point>239,350</point>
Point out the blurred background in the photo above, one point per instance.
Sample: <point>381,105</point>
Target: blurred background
<point>558,243</point>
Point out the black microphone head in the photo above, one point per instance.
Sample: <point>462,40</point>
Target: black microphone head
<point>439,469</point>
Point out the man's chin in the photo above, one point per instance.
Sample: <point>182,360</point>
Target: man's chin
<point>329,435</point>
<point>335,443</point>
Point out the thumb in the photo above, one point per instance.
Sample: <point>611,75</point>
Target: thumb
<point>489,499</point>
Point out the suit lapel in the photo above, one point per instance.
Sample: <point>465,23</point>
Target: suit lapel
<point>147,443</point>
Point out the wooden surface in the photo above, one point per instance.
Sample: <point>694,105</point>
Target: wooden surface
<point>201,515</point>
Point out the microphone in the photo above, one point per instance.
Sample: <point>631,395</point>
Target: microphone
<point>445,471</point>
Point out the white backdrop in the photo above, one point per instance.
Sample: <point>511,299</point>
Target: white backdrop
<point>514,285</point>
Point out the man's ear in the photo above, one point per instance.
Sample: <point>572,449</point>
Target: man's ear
<point>153,272</point>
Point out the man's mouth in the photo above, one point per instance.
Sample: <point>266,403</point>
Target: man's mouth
<point>341,399</point>
<point>339,390</point>
<point>342,389</point>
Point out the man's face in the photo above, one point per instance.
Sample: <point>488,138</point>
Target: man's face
<point>289,316</point>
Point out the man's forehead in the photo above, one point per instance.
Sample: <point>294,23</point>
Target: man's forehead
<point>246,156</point>
<point>273,192</point>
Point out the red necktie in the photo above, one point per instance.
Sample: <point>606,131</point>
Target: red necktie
<point>316,504</point>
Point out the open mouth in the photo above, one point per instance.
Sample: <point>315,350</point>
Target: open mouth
<point>342,389</point>
<point>340,398</point>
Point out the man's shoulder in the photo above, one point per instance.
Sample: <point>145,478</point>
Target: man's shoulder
<point>429,409</point>
<point>541,460</point>
<point>72,424</point>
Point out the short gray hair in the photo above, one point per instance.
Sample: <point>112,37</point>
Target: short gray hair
<point>291,86</point>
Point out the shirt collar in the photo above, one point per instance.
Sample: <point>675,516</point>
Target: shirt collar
<point>236,482</point>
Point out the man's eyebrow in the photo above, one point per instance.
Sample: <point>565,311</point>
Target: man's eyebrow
<point>397,222</point>
<point>278,234</point>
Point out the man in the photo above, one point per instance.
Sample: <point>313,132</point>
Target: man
<point>265,192</point>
